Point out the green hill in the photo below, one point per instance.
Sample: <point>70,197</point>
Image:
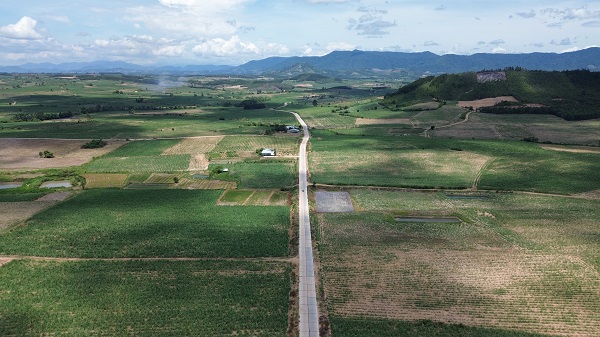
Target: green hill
<point>571,95</point>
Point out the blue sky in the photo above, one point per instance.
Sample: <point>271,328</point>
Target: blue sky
<point>236,31</point>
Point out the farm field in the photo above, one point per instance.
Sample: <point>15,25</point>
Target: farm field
<point>150,223</point>
<point>517,262</point>
<point>23,154</point>
<point>161,240</point>
<point>449,163</point>
<point>149,298</point>
<point>266,173</point>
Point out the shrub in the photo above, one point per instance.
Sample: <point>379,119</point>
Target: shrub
<point>94,144</point>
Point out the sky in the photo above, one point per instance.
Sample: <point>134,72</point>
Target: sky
<point>232,32</point>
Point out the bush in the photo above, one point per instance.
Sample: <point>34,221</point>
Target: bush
<point>94,144</point>
<point>46,154</point>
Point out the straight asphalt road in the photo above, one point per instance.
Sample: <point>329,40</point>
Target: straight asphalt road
<point>309,315</point>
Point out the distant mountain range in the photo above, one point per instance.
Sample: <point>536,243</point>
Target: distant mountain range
<point>344,64</point>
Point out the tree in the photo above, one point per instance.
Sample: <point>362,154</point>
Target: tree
<point>315,103</point>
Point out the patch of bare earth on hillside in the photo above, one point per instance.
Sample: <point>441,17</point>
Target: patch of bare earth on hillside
<point>505,288</point>
<point>24,153</point>
<point>375,121</point>
<point>486,102</point>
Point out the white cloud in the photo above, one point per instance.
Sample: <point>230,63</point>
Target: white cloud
<point>205,6</point>
<point>339,46</point>
<point>24,29</point>
<point>222,47</point>
<point>169,51</point>
<point>180,21</point>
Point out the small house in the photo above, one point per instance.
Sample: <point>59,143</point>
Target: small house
<point>267,152</point>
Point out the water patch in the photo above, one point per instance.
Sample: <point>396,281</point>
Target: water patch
<point>427,220</point>
<point>56,184</point>
<point>6,186</point>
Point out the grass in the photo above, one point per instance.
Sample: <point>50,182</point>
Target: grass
<point>166,298</point>
<point>163,223</point>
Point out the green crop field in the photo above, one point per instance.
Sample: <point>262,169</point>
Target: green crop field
<point>516,262</point>
<point>168,163</point>
<point>268,173</point>
<point>448,163</point>
<point>144,298</point>
<point>522,259</point>
<point>165,223</point>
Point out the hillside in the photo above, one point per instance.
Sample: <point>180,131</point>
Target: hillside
<point>345,64</point>
<point>395,64</point>
<point>571,95</point>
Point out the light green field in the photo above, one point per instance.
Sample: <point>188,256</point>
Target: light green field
<point>448,163</point>
<point>144,298</point>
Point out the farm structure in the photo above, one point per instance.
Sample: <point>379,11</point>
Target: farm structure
<point>267,152</point>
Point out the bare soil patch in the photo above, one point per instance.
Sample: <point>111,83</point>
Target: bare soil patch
<point>574,149</point>
<point>15,212</point>
<point>24,153</point>
<point>333,202</point>
<point>194,145</point>
<point>56,196</point>
<point>481,103</point>
<point>5,260</point>
<point>198,162</point>
<point>375,121</point>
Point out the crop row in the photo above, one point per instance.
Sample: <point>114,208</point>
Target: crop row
<point>161,223</point>
<point>166,298</point>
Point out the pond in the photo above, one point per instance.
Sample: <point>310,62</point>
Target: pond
<point>6,186</point>
<point>56,184</point>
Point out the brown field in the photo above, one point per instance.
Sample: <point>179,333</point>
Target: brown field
<point>481,103</point>
<point>258,198</point>
<point>24,153</point>
<point>12,213</point>
<point>196,147</point>
<point>517,127</point>
<point>205,184</point>
<point>374,121</point>
<point>105,180</point>
<point>574,149</point>
<point>520,263</point>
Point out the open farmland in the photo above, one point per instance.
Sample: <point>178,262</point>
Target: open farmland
<point>246,146</point>
<point>150,298</point>
<point>141,156</point>
<point>150,223</point>
<point>24,153</point>
<point>516,262</point>
<point>449,163</point>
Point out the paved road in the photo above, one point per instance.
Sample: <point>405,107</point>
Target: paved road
<point>309,315</point>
